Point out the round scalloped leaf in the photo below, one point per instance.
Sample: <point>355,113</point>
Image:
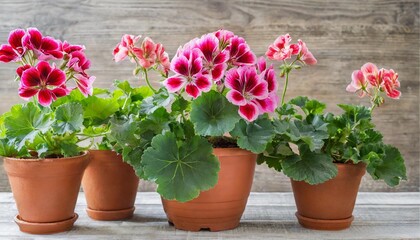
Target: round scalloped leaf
<point>181,170</point>
<point>213,115</point>
<point>253,136</point>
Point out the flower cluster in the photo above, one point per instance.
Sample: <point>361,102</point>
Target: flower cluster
<point>38,77</point>
<point>148,55</point>
<point>281,50</point>
<point>221,59</point>
<point>371,81</point>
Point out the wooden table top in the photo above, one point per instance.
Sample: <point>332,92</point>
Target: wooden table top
<point>267,216</point>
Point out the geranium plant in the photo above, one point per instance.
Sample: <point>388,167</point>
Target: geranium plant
<point>322,139</point>
<point>217,94</point>
<point>48,69</point>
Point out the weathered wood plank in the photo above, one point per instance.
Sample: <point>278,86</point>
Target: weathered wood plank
<point>341,34</point>
<point>268,216</point>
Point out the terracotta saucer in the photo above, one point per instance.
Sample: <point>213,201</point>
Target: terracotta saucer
<point>320,224</point>
<point>45,228</point>
<point>110,215</point>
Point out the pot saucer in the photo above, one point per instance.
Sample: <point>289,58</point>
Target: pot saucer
<point>45,228</point>
<point>111,215</point>
<point>321,224</point>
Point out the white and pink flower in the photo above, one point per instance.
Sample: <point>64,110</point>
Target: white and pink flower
<point>281,49</point>
<point>390,83</point>
<point>214,59</point>
<point>240,53</point>
<point>188,68</point>
<point>246,90</point>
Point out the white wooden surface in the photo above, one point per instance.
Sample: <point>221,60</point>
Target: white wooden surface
<point>268,216</point>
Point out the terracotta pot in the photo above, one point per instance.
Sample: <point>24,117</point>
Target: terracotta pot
<point>329,205</point>
<point>46,191</point>
<point>110,186</point>
<point>221,207</point>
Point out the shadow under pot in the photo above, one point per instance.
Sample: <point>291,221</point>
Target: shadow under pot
<point>110,186</point>
<point>329,205</point>
<point>221,207</point>
<point>46,191</point>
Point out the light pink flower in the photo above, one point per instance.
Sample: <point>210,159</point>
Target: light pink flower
<point>246,88</point>
<point>46,81</point>
<point>162,59</point>
<point>358,83</point>
<point>240,53</point>
<point>84,83</point>
<point>146,54</point>
<point>390,83</point>
<point>188,67</point>
<point>305,55</point>
<point>125,47</point>
<point>44,48</point>
<point>214,60</point>
<point>371,73</point>
<point>281,49</point>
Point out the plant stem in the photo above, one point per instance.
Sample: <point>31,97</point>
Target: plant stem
<point>285,88</point>
<point>147,81</point>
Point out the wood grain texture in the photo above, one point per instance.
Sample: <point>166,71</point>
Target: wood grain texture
<point>343,35</point>
<point>267,216</point>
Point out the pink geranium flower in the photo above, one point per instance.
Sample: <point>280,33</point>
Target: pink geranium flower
<point>240,52</point>
<point>162,59</point>
<point>188,67</point>
<point>125,47</point>
<point>246,88</point>
<point>214,59</point>
<point>224,37</point>
<point>78,61</point>
<point>46,81</point>
<point>15,49</point>
<point>390,83</point>
<point>270,103</point>
<point>281,49</point>
<point>146,54</point>
<point>371,73</point>
<point>84,83</point>
<point>358,83</point>
<point>45,48</point>
<point>305,55</point>
<point>68,48</point>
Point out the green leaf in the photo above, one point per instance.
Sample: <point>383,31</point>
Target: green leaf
<point>68,118</point>
<point>391,169</point>
<point>93,131</point>
<point>161,99</point>
<point>2,127</point>
<point>181,171</point>
<point>213,115</point>
<point>311,167</point>
<point>312,135</point>
<point>272,162</point>
<point>123,131</point>
<point>99,110</point>
<point>124,85</point>
<point>42,150</point>
<point>8,149</point>
<point>180,105</point>
<point>253,136</point>
<point>133,156</point>
<point>69,149</point>
<point>25,122</point>
<point>74,96</point>
<point>155,122</point>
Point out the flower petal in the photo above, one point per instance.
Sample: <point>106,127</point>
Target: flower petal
<point>233,80</point>
<point>44,70</point>
<point>208,44</point>
<point>203,83</point>
<point>26,93</point>
<point>260,91</point>
<point>31,78</point>
<point>192,90</point>
<point>175,83</point>
<point>45,97</point>
<point>236,98</point>
<point>7,54</point>
<point>120,53</point>
<point>15,40</point>
<point>218,71</point>
<point>249,111</point>
<point>33,39</point>
<point>56,78</point>
<point>180,65</point>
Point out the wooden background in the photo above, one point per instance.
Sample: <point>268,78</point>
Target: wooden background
<point>343,35</point>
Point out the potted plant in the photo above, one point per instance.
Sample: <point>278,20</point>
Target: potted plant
<point>43,157</point>
<point>110,183</point>
<point>332,152</point>
<point>199,135</point>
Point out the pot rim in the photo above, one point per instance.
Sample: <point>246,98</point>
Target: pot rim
<point>231,152</point>
<point>84,154</point>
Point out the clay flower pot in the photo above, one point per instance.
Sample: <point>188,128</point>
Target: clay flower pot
<point>329,205</point>
<point>46,192</point>
<point>221,207</point>
<point>110,186</point>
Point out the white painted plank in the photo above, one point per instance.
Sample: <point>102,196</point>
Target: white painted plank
<point>268,216</point>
